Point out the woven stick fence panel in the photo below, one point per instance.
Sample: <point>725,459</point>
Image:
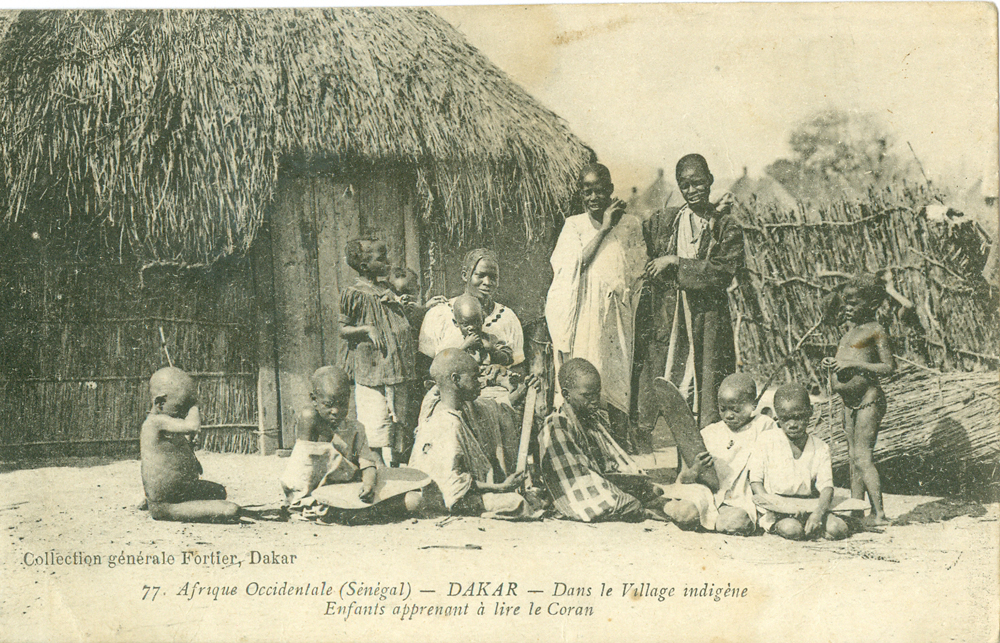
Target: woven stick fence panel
<point>945,422</point>
<point>796,259</point>
<point>81,339</point>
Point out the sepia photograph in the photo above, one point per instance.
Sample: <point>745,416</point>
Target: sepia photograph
<point>552,322</point>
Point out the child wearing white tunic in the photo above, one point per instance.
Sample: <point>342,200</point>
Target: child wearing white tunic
<point>791,462</point>
<point>729,445</point>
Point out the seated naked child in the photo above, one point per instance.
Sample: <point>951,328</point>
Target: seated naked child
<point>491,353</point>
<point>790,462</point>
<point>863,355</point>
<point>332,450</point>
<point>170,471</point>
<point>729,445</point>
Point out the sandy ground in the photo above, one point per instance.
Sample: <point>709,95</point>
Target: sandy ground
<point>933,582</point>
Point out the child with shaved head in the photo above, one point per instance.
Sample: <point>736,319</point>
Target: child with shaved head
<point>329,447</point>
<point>489,351</point>
<point>588,475</point>
<point>461,451</point>
<point>864,354</point>
<point>170,471</point>
<point>729,445</point>
<point>790,462</point>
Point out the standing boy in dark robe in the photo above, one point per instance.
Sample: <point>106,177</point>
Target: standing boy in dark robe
<point>687,332</point>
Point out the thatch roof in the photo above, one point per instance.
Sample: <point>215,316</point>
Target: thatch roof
<point>170,127</point>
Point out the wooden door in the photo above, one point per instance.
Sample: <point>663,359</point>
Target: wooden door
<point>301,268</point>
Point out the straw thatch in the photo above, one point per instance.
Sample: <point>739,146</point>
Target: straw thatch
<point>167,129</point>
<point>939,431</point>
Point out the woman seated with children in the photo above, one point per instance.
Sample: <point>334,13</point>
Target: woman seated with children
<point>468,432</point>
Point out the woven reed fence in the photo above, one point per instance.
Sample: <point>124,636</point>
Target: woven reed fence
<point>942,418</point>
<point>938,430</point>
<point>796,259</point>
<point>80,340</point>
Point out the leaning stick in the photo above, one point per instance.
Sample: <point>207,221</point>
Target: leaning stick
<point>163,345</point>
<point>526,422</point>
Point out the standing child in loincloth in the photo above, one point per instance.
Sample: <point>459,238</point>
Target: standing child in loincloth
<point>863,355</point>
<point>170,471</point>
<point>379,346</point>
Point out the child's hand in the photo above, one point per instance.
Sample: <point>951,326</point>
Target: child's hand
<point>491,371</point>
<point>845,364</point>
<point>436,300</point>
<point>814,523</point>
<point>473,340</point>
<point>367,493</point>
<point>375,337</point>
<point>701,462</point>
<point>513,481</point>
<point>517,395</point>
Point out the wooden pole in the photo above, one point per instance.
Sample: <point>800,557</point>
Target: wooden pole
<point>526,422</point>
<point>268,383</point>
<point>163,344</point>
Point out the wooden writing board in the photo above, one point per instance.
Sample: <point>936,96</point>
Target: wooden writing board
<point>793,506</point>
<point>674,409</point>
<point>388,483</point>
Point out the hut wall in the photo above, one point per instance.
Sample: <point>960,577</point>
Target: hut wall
<point>303,252</point>
<point>80,338</point>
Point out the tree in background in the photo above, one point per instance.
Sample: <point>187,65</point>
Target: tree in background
<point>838,154</point>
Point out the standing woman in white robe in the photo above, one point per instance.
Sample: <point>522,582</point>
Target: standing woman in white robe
<point>590,308</point>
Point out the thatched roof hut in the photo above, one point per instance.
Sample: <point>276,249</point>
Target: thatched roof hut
<point>171,127</point>
<point>231,154</point>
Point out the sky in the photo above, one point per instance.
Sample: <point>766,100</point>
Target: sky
<point>645,84</point>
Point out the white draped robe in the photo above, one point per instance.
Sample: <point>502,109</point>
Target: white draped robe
<point>591,313</point>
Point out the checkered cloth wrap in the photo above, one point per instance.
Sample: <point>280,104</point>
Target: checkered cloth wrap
<point>575,456</point>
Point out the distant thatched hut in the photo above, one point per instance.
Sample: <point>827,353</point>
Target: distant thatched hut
<point>197,173</point>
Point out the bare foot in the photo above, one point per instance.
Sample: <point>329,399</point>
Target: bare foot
<point>657,514</point>
<point>876,521</point>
